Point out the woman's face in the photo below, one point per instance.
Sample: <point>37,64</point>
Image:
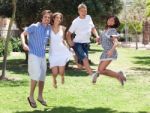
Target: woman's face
<point>57,19</point>
<point>82,12</point>
<point>111,21</point>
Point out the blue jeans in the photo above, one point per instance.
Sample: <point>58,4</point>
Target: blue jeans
<point>81,50</point>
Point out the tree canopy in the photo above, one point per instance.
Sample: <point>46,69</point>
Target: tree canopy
<point>29,10</point>
<point>148,8</point>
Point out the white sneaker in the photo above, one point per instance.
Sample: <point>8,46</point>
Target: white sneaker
<point>94,77</point>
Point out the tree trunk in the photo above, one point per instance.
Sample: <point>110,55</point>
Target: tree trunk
<point>7,41</point>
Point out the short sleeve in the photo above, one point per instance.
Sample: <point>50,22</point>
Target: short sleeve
<point>113,32</point>
<point>30,29</point>
<point>91,22</point>
<point>72,27</point>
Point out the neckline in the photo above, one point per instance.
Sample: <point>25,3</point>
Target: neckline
<point>57,31</point>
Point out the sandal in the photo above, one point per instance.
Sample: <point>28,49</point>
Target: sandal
<point>42,102</point>
<point>32,104</point>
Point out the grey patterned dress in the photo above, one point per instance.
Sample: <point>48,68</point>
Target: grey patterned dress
<point>107,44</point>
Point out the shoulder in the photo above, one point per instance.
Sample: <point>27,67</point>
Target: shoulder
<point>112,30</point>
<point>63,28</point>
<point>75,20</point>
<point>88,17</point>
<point>35,24</point>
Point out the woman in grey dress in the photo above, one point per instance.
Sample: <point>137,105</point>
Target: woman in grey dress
<point>109,42</point>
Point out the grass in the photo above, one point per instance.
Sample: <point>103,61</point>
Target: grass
<point>78,95</point>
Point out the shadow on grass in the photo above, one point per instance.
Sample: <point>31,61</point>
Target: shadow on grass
<point>10,83</point>
<point>77,110</point>
<point>142,60</point>
<point>141,69</point>
<point>16,65</point>
<point>75,72</point>
<point>95,51</point>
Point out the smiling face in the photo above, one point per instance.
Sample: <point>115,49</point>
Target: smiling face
<point>111,21</point>
<point>82,12</point>
<point>46,19</point>
<point>57,19</point>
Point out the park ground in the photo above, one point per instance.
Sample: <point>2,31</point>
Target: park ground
<point>78,94</point>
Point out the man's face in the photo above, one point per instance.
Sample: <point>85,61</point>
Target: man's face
<point>46,18</point>
<point>82,12</point>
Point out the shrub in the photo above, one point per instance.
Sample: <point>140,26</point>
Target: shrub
<point>16,44</point>
<point>2,43</point>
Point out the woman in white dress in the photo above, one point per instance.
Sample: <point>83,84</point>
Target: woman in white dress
<point>59,54</point>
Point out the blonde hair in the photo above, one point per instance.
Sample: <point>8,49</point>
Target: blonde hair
<point>82,5</point>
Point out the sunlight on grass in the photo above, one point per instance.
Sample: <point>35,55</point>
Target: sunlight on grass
<point>78,95</point>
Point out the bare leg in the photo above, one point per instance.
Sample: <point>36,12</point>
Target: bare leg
<point>87,66</point>
<point>32,89</point>
<point>54,75</point>
<point>41,87</point>
<point>62,72</point>
<point>102,70</point>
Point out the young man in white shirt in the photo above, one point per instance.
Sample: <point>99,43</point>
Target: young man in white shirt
<point>82,26</point>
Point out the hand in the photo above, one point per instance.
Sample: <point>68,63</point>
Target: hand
<point>98,40</point>
<point>71,44</point>
<point>109,53</point>
<point>25,47</point>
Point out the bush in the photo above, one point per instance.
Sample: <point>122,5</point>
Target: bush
<point>2,43</point>
<point>1,47</point>
<point>16,44</point>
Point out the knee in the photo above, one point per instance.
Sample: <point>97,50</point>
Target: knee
<point>102,71</point>
<point>55,74</point>
<point>61,73</point>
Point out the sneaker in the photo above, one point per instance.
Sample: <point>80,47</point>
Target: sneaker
<point>94,77</point>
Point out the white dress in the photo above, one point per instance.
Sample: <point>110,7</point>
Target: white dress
<point>59,54</point>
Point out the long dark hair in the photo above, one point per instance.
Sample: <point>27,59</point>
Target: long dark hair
<point>116,20</point>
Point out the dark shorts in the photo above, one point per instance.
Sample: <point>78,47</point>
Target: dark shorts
<point>81,50</point>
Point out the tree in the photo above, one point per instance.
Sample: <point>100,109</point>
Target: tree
<point>7,40</point>
<point>28,10</point>
<point>148,8</point>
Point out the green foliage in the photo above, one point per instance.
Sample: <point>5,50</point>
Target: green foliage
<point>16,44</point>
<point>1,46</point>
<point>2,43</point>
<point>148,8</point>
<point>133,27</point>
<point>28,11</point>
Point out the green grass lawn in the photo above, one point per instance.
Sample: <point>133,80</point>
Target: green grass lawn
<point>78,95</point>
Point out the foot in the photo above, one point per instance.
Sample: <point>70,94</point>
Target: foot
<point>123,75</point>
<point>55,85</point>
<point>62,81</point>
<point>42,102</point>
<point>94,77</point>
<point>121,80</point>
<point>32,102</point>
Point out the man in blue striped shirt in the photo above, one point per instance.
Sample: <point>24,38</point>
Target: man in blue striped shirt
<point>38,34</point>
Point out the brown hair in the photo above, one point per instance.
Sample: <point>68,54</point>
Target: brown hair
<point>54,15</point>
<point>116,24</point>
<point>45,12</point>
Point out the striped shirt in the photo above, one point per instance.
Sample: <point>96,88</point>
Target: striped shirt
<point>38,35</point>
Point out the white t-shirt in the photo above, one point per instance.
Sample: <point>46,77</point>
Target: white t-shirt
<point>82,28</point>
